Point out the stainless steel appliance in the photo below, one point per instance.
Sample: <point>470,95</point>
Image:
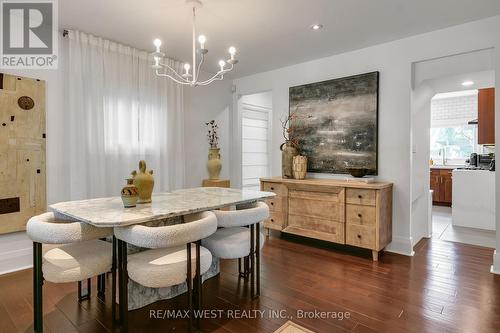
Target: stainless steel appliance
<point>480,161</point>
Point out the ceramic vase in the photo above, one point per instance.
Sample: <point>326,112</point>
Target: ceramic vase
<point>214,164</point>
<point>144,182</point>
<point>130,194</point>
<point>288,151</point>
<point>299,167</point>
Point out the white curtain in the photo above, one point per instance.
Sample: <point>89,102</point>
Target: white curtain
<point>119,112</point>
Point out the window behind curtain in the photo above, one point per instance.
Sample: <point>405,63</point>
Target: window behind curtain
<point>450,132</point>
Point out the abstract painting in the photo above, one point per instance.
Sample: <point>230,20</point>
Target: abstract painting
<point>336,123</point>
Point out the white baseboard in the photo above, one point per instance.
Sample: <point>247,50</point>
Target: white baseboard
<point>401,245</point>
<point>16,252</point>
<point>495,268</point>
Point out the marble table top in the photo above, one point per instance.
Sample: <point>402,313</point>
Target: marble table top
<point>109,212</point>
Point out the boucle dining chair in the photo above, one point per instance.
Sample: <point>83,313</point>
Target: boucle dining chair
<point>72,252</point>
<point>237,238</point>
<point>168,260</point>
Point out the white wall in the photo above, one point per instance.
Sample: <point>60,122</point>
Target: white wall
<point>201,105</point>
<point>420,132</point>
<point>394,61</point>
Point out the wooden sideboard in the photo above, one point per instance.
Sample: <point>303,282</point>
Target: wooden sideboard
<point>352,213</point>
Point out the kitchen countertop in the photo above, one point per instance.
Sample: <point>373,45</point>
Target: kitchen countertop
<point>446,167</point>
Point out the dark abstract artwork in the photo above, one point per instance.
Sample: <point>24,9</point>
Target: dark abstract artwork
<point>336,123</point>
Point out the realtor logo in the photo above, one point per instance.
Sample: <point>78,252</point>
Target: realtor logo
<point>28,34</point>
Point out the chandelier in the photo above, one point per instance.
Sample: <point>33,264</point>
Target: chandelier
<point>189,77</point>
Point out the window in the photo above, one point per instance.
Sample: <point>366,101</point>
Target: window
<point>455,144</point>
<point>452,138</point>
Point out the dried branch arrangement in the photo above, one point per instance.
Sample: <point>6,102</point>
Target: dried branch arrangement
<point>288,134</point>
<point>213,138</point>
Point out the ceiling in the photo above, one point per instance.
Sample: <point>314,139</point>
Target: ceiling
<point>268,33</point>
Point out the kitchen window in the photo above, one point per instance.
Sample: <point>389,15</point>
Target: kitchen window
<point>452,139</point>
<point>454,144</point>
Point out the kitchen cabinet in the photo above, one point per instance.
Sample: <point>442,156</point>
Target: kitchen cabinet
<point>441,184</point>
<point>486,116</point>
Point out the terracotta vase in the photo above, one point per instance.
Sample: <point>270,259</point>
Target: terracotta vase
<point>144,182</point>
<point>288,151</point>
<point>299,167</point>
<point>130,194</point>
<point>214,164</point>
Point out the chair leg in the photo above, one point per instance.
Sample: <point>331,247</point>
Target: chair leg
<point>37,288</point>
<point>101,285</point>
<point>189,282</point>
<point>123,284</point>
<point>82,297</point>
<point>113,282</point>
<point>257,259</point>
<point>252,261</point>
<point>198,281</point>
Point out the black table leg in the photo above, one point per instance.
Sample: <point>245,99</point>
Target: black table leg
<point>37,288</point>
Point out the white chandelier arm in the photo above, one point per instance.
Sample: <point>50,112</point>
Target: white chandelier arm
<point>216,76</point>
<point>206,83</point>
<point>173,70</point>
<point>184,81</point>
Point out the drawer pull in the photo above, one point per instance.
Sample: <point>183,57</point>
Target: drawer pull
<point>359,215</point>
<point>360,196</point>
<point>359,236</point>
<point>272,188</point>
<point>272,203</point>
<point>272,220</point>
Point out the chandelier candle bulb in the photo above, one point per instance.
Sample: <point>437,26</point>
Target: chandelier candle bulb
<point>232,52</point>
<point>202,39</point>
<point>157,43</point>
<point>222,63</point>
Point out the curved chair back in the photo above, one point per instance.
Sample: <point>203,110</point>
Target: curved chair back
<point>196,227</point>
<point>49,229</point>
<point>243,217</point>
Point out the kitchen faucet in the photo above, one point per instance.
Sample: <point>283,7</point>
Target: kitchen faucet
<point>442,153</point>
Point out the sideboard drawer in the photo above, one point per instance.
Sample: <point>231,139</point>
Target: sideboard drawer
<point>361,236</point>
<point>359,214</point>
<point>279,189</point>
<point>360,196</point>
<point>333,231</point>
<point>323,209</point>
<point>275,220</point>
<point>275,204</point>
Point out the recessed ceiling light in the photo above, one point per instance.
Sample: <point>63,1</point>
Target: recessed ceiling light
<point>467,83</point>
<point>316,27</point>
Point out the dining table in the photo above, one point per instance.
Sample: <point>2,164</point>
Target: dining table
<point>166,208</point>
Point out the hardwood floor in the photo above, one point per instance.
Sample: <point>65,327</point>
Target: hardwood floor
<point>445,287</point>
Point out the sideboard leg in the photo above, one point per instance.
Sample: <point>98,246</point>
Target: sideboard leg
<point>375,255</point>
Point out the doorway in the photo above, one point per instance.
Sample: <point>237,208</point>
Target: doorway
<point>445,106</point>
<point>255,112</point>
